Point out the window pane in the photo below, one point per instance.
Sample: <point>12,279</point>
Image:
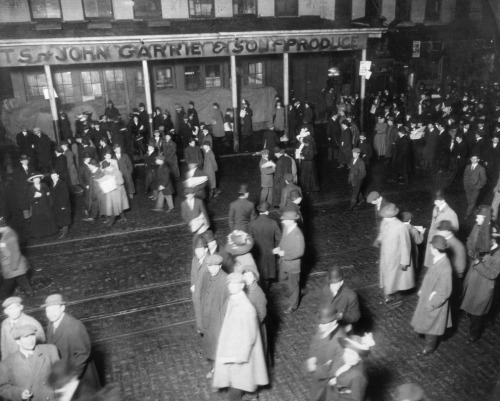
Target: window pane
<point>201,8</point>
<point>97,8</point>
<point>192,78</point>
<point>255,74</point>
<point>163,78</point>
<point>92,87</point>
<point>147,8</point>
<point>212,76</point>
<point>432,10</point>
<point>64,86</point>
<point>45,9</point>
<point>36,83</point>
<point>286,8</point>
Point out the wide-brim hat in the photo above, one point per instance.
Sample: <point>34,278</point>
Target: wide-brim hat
<point>35,175</point>
<point>484,210</point>
<point>11,301</point>
<point>391,210</point>
<point>356,344</point>
<point>290,215</point>
<point>239,243</point>
<point>54,299</point>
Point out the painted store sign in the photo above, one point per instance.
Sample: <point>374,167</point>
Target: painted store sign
<point>26,55</point>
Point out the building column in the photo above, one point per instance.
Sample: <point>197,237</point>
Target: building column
<point>234,96</point>
<point>52,101</point>
<point>147,88</point>
<point>362,93</point>
<point>286,89</point>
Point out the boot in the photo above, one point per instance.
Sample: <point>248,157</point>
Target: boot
<point>110,221</point>
<point>122,217</point>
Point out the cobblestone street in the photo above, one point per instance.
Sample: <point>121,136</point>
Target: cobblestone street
<point>129,284</point>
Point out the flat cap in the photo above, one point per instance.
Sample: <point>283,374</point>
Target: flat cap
<point>23,331</point>
<point>11,301</point>
<point>214,260</point>
<point>356,150</point>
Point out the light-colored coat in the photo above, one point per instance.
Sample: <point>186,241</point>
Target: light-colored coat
<point>433,314</point>
<point>479,284</point>
<point>437,216</point>
<point>395,250</point>
<point>8,344</point>
<point>240,362</point>
<point>17,374</point>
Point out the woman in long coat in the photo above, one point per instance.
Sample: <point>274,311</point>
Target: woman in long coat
<point>70,159</point>
<point>217,122</point>
<point>308,174</point>
<point>246,115</point>
<point>380,139</point>
<point>279,118</point>
<point>396,267</point>
<point>61,205</point>
<point>433,315</point>
<point>113,203</point>
<point>42,218</point>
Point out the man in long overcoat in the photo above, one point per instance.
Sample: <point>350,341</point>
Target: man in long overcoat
<point>192,208</point>
<point>402,158</point>
<point>283,166</point>
<point>24,374</point>
<point>61,204</point>
<point>267,235</point>
<point>345,144</point>
<point>357,173</point>
<point>210,169</point>
<point>169,150</point>
<point>70,337</point>
<point>479,288</point>
<point>241,211</point>
<point>213,302</point>
<point>474,180</point>
<point>165,186</point>
<point>43,150</point>
<point>266,168</point>
<point>198,268</point>
<point>25,140</point>
<point>396,266</point>
<point>126,168</point>
<point>21,186</point>
<point>442,211</point>
<point>432,315</point>
<point>240,363</point>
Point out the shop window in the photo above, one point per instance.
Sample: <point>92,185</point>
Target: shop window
<point>64,86</point>
<point>147,9</point>
<point>201,8</point>
<point>403,10</point>
<point>139,81</point>
<point>115,83</point>
<point>432,10</point>
<point>255,74</point>
<point>286,8</point>
<point>212,76</point>
<point>92,86</point>
<point>192,78</point>
<point>343,10</point>
<point>98,9</point>
<point>241,7</point>
<point>164,78</point>
<point>45,9</point>
<point>36,84</point>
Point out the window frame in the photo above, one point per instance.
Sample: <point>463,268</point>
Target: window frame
<point>172,77</point>
<point>240,4</point>
<point>60,88</point>
<point>254,77</point>
<point>158,15</point>
<point>111,16</point>
<point>33,18</point>
<point>192,16</point>
<point>276,9</point>
<point>101,82</point>
<point>138,87</point>
<point>426,14</point>
<point>220,77</point>
<point>28,86</point>
<point>201,79</point>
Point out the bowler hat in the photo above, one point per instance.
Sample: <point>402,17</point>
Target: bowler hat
<point>388,211</point>
<point>264,207</point>
<point>445,225</point>
<point>439,195</point>
<point>11,301</point>
<point>209,236</point>
<point>439,242</point>
<point>243,189</point>
<point>409,392</point>
<point>54,299</point>
<point>372,196</point>
<point>484,210</point>
<point>35,175</point>
<point>406,217</point>
<point>200,243</point>
<point>239,243</point>
<point>23,331</point>
<point>335,274</point>
<point>212,260</point>
<point>326,314</point>
<point>358,344</point>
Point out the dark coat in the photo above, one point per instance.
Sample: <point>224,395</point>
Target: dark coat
<point>192,154</point>
<point>73,342</point>
<point>210,168</point>
<point>357,172</point>
<point>66,131</point>
<point>345,302</point>
<point>402,155</point>
<point>126,168</point>
<point>241,214</point>
<point>170,153</point>
<point>283,166</point>
<point>246,122</point>
<point>266,233</point>
<point>26,143</point>
<point>479,284</point>
<point>285,194</point>
<point>308,173</point>
<point>61,205</point>
<point>43,152</point>
<point>61,166</point>
<point>333,132</point>
<point>293,245</point>
<point>164,178</point>
<point>42,219</point>
<point>18,374</point>
<point>351,385</point>
<point>474,180</point>
<point>189,214</point>
<point>21,188</point>
<point>345,146</point>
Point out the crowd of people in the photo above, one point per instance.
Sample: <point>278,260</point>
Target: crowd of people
<point>267,242</point>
